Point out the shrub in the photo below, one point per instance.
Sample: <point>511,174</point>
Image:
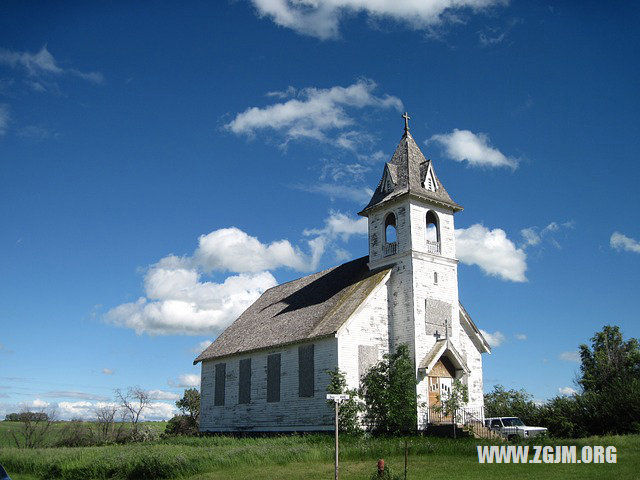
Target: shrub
<point>181,425</point>
<point>389,392</point>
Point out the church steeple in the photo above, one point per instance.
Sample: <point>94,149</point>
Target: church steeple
<point>410,211</point>
<point>409,172</point>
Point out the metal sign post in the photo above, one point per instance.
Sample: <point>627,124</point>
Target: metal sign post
<point>337,398</point>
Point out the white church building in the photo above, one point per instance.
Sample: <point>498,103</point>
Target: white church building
<point>268,370</point>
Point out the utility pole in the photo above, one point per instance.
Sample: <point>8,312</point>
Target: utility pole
<point>337,398</point>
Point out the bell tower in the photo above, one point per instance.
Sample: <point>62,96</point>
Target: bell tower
<point>411,227</point>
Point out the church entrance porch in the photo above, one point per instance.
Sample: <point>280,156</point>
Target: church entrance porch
<point>438,370</point>
<point>440,382</point>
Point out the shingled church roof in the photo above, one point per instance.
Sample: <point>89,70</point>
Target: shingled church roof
<point>408,170</point>
<point>310,307</point>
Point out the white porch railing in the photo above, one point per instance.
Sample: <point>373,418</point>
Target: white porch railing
<point>433,247</point>
<point>389,249</point>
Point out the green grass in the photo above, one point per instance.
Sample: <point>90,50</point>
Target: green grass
<point>55,432</point>
<point>291,457</point>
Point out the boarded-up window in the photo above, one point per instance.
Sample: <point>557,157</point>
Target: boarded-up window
<point>305,371</point>
<point>273,378</point>
<point>367,358</point>
<point>437,318</point>
<point>221,374</point>
<point>244,382</point>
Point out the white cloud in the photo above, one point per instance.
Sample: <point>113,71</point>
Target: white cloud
<point>374,157</point>
<point>186,380</point>
<point>321,18</point>
<point>315,114</point>
<point>179,301</point>
<point>338,224</point>
<point>74,394</point>
<point>37,133</point>
<point>492,251</point>
<point>159,411</point>
<point>336,191</point>
<point>38,403</point>
<point>4,119</point>
<point>201,347</point>
<point>520,336</point>
<point>461,145</point>
<point>494,339</point>
<point>107,371</point>
<point>155,411</point>
<point>573,356</point>
<point>532,238</point>
<point>41,64</point>
<point>338,171</point>
<point>622,242</point>
<point>233,250</point>
<point>491,37</point>
<point>566,391</point>
<point>163,395</point>
<point>190,307</point>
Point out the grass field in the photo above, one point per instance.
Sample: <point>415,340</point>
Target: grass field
<point>292,457</point>
<point>55,432</point>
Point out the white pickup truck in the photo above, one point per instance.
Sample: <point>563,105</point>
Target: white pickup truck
<point>512,427</point>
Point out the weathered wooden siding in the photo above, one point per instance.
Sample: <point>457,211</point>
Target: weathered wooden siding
<point>367,327</point>
<point>291,413</point>
<point>473,357</point>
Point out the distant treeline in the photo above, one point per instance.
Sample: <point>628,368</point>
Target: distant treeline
<point>27,417</point>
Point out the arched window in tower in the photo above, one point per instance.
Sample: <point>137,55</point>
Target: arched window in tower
<point>390,235</point>
<point>433,232</point>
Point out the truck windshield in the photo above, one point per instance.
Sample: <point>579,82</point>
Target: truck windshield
<point>512,422</point>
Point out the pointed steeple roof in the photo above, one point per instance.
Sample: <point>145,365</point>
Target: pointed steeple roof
<point>409,172</point>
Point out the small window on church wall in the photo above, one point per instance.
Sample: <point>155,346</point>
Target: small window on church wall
<point>219,386</point>
<point>435,278</point>
<point>433,228</point>
<point>273,378</point>
<point>390,234</point>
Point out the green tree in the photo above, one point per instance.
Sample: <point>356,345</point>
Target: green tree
<point>188,422</point>
<point>348,417</point>
<point>610,378</point>
<point>189,404</point>
<point>608,360</point>
<point>511,403</point>
<point>389,393</point>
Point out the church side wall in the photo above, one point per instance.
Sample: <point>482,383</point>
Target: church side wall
<point>364,338</point>
<point>473,357</point>
<point>291,413</point>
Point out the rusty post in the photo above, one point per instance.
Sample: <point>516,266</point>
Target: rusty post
<point>381,467</point>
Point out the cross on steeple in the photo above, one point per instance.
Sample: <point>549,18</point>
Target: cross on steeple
<point>406,122</point>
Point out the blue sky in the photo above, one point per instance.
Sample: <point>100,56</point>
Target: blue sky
<point>161,165</point>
